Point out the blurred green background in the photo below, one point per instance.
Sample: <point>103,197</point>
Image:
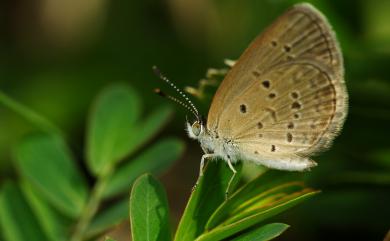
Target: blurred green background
<point>56,55</point>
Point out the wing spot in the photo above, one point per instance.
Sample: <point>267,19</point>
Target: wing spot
<point>272,95</point>
<point>260,135</point>
<point>256,74</point>
<point>243,108</point>
<point>287,48</point>
<point>266,84</point>
<point>256,152</point>
<point>289,137</point>
<point>290,125</point>
<point>296,105</point>
<point>294,95</point>
<point>296,116</point>
<point>273,148</point>
<point>274,43</point>
<point>259,125</point>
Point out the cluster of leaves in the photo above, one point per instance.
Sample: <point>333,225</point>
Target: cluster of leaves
<point>52,200</point>
<point>208,215</point>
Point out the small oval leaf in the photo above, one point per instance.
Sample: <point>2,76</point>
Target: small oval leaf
<point>47,163</point>
<point>149,214</point>
<point>111,127</point>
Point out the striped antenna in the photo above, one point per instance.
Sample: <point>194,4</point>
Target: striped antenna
<point>191,106</point>
<point>159,92</point>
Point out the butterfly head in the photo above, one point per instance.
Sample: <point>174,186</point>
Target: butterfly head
<point>195,129</point>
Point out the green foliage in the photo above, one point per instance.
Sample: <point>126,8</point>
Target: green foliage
<point>55,202</point>
<point>210,217</point>
<point>149,214</point>
<point>52,223</point>
<point>108,218</point>
<point>111,127</point>
<point>145,162</point>
<point>45,161</point>
<point>208,195</point>
<point>16,218</point>
<point>264,233</point>
<point>52,201</point>
<point>58,71</point>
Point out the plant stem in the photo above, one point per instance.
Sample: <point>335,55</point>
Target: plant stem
<point>92,206</point>
<point>28,114</point>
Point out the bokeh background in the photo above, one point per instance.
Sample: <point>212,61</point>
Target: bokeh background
<point>56,55</point>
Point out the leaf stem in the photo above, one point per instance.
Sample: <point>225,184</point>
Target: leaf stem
<point>92,206</point>
<point>28,114</point>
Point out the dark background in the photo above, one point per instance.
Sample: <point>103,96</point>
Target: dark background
<point>56,55</point>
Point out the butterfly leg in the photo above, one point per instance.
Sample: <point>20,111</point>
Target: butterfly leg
<point>231,179</point>
<point>202,161</point>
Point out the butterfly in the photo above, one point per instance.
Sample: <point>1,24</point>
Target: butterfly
<point>283,101</point>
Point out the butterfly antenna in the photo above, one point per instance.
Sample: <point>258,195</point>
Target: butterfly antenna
<point>159,92</point>
<point>193,108</point>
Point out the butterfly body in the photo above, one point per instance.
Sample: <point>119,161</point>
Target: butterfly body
<point>226,149</point>
<point>215,146</point>
<point>283,101</point>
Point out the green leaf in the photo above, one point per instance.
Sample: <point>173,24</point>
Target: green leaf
<point>266,184</point>
<point>108,218</point>
<point>149,127</point>
<point>16,218</point>
<point>46,162</point>
<point>29,114</point>
<point>207,196</point>
<point>264,233</point>
<point>52,223</point>
<point>111,127</point>
<point>155,159</point>
<point>149,214</point>
<point>264,197</point>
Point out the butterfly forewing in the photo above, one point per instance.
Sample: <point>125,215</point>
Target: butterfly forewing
<point>285,96</point>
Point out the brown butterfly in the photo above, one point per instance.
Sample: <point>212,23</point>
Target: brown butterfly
<point>284,100</point>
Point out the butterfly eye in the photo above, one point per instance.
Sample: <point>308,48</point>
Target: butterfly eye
<point>196,128</point>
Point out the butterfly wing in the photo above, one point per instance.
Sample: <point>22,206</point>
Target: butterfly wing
<point>286,94</point>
